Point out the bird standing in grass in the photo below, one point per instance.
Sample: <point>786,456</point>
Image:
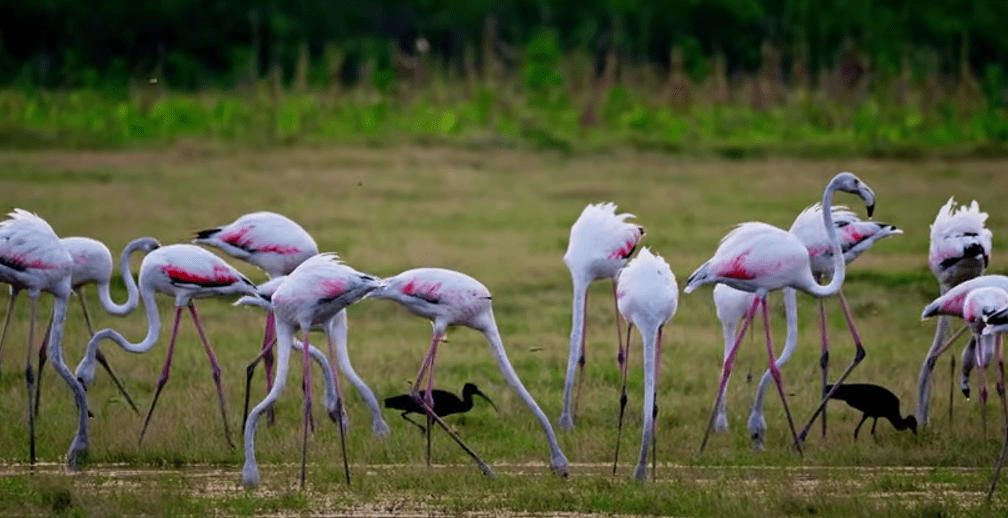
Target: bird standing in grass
<point>450,298</point>
<point>274,243</point>
<point>875,402</point>
<point>647,298</point>
<point>184,272</point>
<point>960,250</point>
<point>445,403</point>
<point>310,296</point>
<point>600,243</point>
<point>759,258</point>
<point>32,258</point>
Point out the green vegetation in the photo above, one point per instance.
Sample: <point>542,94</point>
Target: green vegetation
<point>503,218</point>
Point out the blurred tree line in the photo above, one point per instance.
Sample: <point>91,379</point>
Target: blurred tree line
<point>221,43</point>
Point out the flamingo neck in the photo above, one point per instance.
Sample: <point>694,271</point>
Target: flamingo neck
<point>790,343</point>
<point>839,264</point>
<point>132,299</point>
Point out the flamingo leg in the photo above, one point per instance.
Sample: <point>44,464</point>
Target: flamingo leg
<point>428,407</point>
<point>250,370</point>
<point>215,369</point>
<point>726,371</point>
<point>340,411</point>
<point>824,359</point>
<point>775,371</point>
<point>859,355</point>
<point>581,357</point>
<point>982,378</point>
<point>30,380</point>
<point>306,383</point>
<point>951,386</point>
<point>10,310</point>
<point>164,373</point>
<point>1004,412</point>
<point>624,361</point>
<point>269,338</point>
<point>42,356</point>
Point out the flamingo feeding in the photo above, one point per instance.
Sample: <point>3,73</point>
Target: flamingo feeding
<point>274,243</point>
<point>449,298</point>
<point>600,243</point>
<point>32,258</point>
<point>647,298</point>
<point>93,265</point>
<point>337,327</point>
<point>856,237</point>
<point>310,296</point>
<point>185,272</point>
<point>960,250</point>
<point>997,324</point>
<point>759,258</point>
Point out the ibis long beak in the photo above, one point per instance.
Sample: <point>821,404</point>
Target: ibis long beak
<point>484,396</point>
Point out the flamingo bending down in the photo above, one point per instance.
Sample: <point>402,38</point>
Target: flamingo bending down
<point>274,243</point>
<point>960,250</point>
<point>185,272</point>
<point>32,258</point>
<point>93,264</point>
<point>647,298</point>
<point>998,324</point>
<point>600,243</point>
<point>856,237</point>
<point>337,327</point>
<point>450,298</point>
<point>310,296</point>
<point>760,258</point>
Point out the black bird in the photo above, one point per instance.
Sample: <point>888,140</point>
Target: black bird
<point>445,403</point>
<point>875,402</point>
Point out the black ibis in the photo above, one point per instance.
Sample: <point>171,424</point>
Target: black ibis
<point>875,402</point>
<point>445,403</point>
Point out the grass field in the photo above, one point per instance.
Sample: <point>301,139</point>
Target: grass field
<point>504,218</point>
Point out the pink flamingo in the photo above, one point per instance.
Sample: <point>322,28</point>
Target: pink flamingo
<point>600,243</point>
<point>274,243</point>
<point>647,298</point>
<point>960,250</point>
<point>856,237</point>
<point>449,298</point>
<point>185,272</point>
<point>997,324</point>
<point>337,328</point>
<point>310,296</point>
<point>93,265</point>
<point>32,258</point>
<point>760,258</point>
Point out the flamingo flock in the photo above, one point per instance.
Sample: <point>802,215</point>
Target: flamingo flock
<point>308,291</point>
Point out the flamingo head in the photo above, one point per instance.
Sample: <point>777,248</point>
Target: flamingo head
<point>847,182</point>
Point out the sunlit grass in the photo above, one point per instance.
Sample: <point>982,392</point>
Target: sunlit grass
<point>503,218</point>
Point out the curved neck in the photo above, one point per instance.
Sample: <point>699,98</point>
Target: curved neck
<point>790,343</point>
<point>153,328</point>
<point>838,257</point>
<point>131,287</point>
<point>578,308</point>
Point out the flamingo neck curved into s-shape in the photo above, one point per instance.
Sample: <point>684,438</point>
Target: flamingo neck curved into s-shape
<point>839,264</point>
<point>577,342</point>
<point>127,276</point>
<point>86,368</point>
<point>488,326</point>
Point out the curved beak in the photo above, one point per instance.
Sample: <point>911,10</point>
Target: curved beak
<point>484,396</point>
<point>868,195</point>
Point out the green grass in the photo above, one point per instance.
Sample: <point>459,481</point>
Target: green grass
<point>504,218</point>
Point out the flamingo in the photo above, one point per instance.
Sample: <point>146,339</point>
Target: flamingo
<point>960,301</point>
<point>600,243</point>
<point>759,258</point>
<point>93,265</point>
<point>960,250</point>
<point>32,258</point>
<point>185,272</point>
<point>336,327</point>
<point>998,324</point>
<point>275,244</point>
<point>449,298</point>
<point>317,290</point>
<point>856,237</point>
<point>647,298</point>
